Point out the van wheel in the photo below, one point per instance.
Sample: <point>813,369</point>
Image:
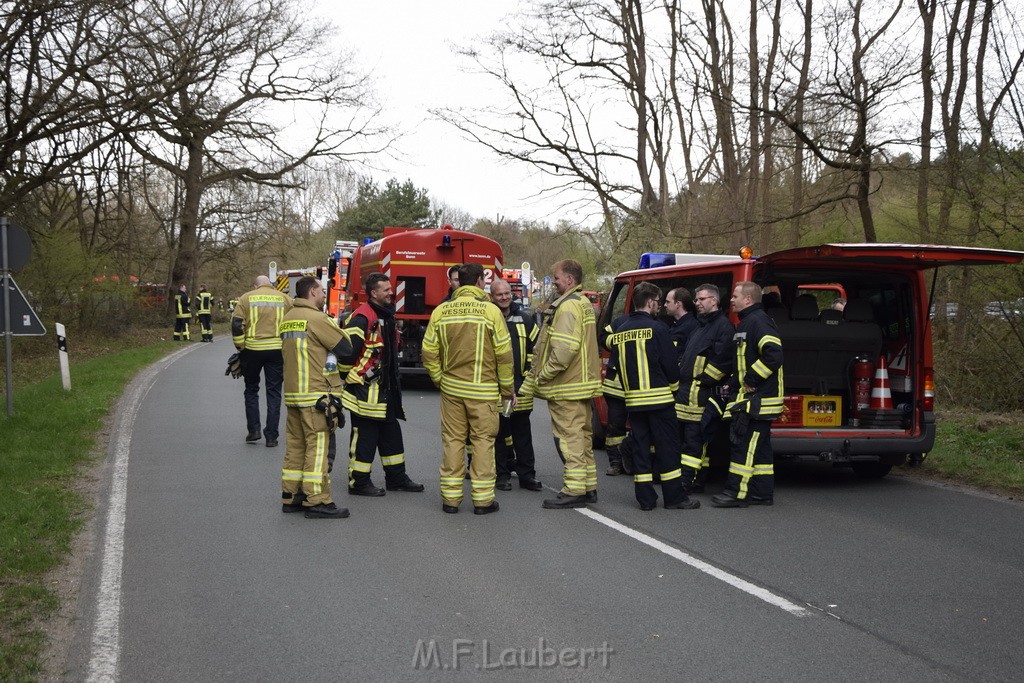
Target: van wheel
<point>871,470</point>
<point>597,431</point>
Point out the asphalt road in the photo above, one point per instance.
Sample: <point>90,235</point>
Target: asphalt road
<point>198,576</point>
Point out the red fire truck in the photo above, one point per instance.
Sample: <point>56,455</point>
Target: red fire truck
<point>337,276</point>
<point>828,354</point>
<point>417,261</point>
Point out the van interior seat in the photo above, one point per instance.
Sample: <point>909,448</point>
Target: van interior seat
<point>779,313</point>
<point>805,307</point>
<point>858,311</point>
<point>830,317</point>
<point>817,357</point>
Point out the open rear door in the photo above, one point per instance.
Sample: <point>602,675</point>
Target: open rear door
<point>920,256</point>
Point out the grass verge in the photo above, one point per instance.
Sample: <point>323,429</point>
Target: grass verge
<point>51,434</point>
<point>979,449</point>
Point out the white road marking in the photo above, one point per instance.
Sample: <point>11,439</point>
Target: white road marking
<point>700,565</point>
<point>106,645</point>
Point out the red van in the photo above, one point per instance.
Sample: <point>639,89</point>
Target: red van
<point>827,353</point>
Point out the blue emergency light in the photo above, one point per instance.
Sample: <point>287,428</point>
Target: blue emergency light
<point>367,240</point>
<point>446,240</point>
<point>656,260</point>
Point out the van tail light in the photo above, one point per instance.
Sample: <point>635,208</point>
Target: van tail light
<point>929,390</point>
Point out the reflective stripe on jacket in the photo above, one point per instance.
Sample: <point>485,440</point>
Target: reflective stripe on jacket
<point>758,364</point>
<point>181,301</point>
<point>204,303</point>
<point>307,335</point>
<point>707,362</point>
<point>567,365</point>
<point>261,311</point>
<point>642,350</point>
<point>467,349</point>
<point>365,369</point>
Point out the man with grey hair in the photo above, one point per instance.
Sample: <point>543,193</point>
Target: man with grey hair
<point>256,332</point>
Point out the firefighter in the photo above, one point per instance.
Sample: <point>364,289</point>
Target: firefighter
<point>705,367</point>
<point>467,352</point>
<point>453,282</point>
<point>680,308</point>
<point>373,393</point>
<point>751,479</point>
<point>256,333</point>
<point>308,335</point>
<point>615,400</point>
<point>232,304</point>
<point>204,310</point>
<point>182,314</point>
<point>514,445</point>
<point>567,373</point>
<point>642,350</point>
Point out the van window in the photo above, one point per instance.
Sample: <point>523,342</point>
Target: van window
<point>891,306</point>
<point>616,304</point>
<point>721,280</point>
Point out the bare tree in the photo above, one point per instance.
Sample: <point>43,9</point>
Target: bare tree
<point>58,100</point>
<point>865,68</point>
<point>221,72</point>
<point>597,59</point>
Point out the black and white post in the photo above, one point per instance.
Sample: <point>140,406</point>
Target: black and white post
<point>62,354</point>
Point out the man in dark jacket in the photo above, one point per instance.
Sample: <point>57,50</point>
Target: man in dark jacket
<point>615,402</point>
<point>751,479</point>
<point>642,349</point>
<point>681,309</point>
<point>705,366</point>
<point>182,314</point>
<point>513,448</point>
<point>373,393</point>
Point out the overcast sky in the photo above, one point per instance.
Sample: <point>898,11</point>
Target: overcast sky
<point>407,45</point>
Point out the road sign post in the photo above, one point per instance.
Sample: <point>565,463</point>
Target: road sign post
<point>4,261</point>
<point>15,251</point>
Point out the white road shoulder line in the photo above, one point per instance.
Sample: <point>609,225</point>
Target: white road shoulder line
<point>700,565</point>
<point>106,646</point>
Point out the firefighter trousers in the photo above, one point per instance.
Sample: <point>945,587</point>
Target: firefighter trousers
<point>513,449</point>
<point>181,329</point>
<point>305,457</point>
<point>271,364</point>
<point>476,420</point>
<point>751,468</point>
<point>573,432</point>
<point>206,324</point>
<point>695,437</point>
<point>656,428</point>
<point>615,432</point>
<point>369,437</point>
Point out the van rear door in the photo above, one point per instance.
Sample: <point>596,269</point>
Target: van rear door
<point>919,256</point>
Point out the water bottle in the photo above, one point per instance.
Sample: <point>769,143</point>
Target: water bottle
<point>332,363</point>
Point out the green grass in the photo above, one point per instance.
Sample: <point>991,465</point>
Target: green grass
<point>980,450</point>
<point>50,435</point>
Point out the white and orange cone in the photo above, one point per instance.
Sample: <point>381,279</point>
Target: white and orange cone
<point>881,396</point>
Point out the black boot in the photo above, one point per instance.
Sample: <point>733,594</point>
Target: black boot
<point>614,462</point>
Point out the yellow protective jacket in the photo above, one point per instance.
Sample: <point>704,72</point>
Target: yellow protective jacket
<point>566,362</point>
<point>307,336</point>
<point>467,349</point>
<point>256,321</point>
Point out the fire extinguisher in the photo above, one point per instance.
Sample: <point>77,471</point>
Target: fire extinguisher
<point>861,374</point>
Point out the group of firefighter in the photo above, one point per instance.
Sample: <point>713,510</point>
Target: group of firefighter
<point>490,359</point>
<point>677,383</point>
<point>201,308</point>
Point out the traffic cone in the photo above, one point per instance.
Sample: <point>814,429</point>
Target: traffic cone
<point>881,396</point>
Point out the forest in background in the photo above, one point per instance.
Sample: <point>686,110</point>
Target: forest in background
<point>196,140</point>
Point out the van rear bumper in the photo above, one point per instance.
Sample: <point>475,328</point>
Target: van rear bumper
<point>859,445</point>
